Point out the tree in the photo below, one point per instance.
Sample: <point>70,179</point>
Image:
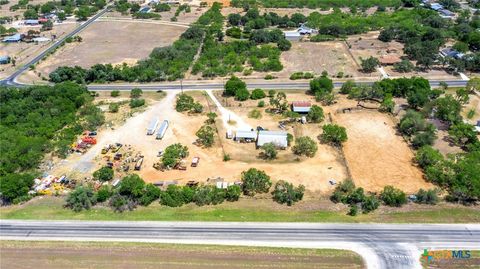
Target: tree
<point>211,117</point>
<point>233,193</point>
<point>103,174</point>
<point>427,156</point>
<point>46,26</point>
<point>136,93</point>
<point>393,197</point>
<point>242,94</point>
<point>233,85</point>
<point>473,84</point>
<point>463,134</point>
<point>305,146</point>
<point>104,193</point>
<point>81,198</point>
<point>136,103</point>
<point>369,64</point>
<point>285,193</point>
<point>13,186</point>
<point>206,135</point>
<point>184,102</point>
<point>257,94</point>
<point>429,197</point>
<point>448,109</point>
<point>279,102</point>
<point>460,47</point>
<point>347,87</point>
<point>173,154</point>
<point>61,16</point>
<point>334,134</point>
<point>387,105</point>
<point>271,93</point>
<point>234,19</point>
<point>118,203</point>
<point>315,114</point>
<point>404,66</point>
<point>419,97</point>
<point>461,95</point>
<point>255,181</point>
<point>321,85</point>
<point>131,186</point>
<point>82,13</point>
<point>370,203</point>
<point>30,14</point>
<point>150,194</point>
<point>269,151</point>
<point>284,44</point>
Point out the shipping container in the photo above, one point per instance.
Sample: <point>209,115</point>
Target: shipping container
<point>162,130</point>
<point>152,127</point>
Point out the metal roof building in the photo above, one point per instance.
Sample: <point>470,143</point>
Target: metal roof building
<point>436,6</point>
<point>278,138</point>
<point>13,38</point>
<point>4,59</point>
<point>301,106</point>
<point>245,135</point>
<point>292,35</point>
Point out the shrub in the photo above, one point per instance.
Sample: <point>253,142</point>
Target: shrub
<point>103,174</point>
<point>334,134</point>
<point>285,193</point>
<point>269,77</point>
<point>255,181</point>
<point>261,103</point>
<point>113,108</point>
<point>173,154</point>
<point>257,94</point>
<point>206,195</point>
<point>119,203</point>
<point>115,93</point>
<point>233,193</point>
<point>81,198</point>
<point>242,94</point>
<point>233,85</point>
<point>103,193</point>
<point>15,185</point>
<point>370,204</point>
<point>206,135</point>
<point>315,114</point>
<point>353,210</point>
<point>150,194</point>
<point>226,157</point>
<point>255,114</point>
<point>137,103</point>
<point>269,151</point>
<point>393,197</point>
<point>305,146</point>
<point>427,156</point>
<point>131,186</point>
<point>172,197</point>
<point>184,102</point>
<point>427,196</point>
<point>136,93</point>
<point>271,93</point>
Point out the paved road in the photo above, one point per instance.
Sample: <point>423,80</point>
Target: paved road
<point>381,245</point>
<point>11,79</point>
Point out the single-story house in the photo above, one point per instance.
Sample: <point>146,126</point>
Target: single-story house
<point>5,59</point>
<point>446,14</point>
<point>301,106</point>
<point>436,6</point>
<point>31,22</point>
<point>449,52</point>
<point>245,136</point>
<point>278,138</point>
<point>13,38</point>
<point>292,35</point>
<point>389,59</point>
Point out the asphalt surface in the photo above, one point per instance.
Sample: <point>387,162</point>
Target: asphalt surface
<point>11,79</point>
<point>381,245</point>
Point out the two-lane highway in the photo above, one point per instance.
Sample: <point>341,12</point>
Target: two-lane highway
<point>381,245</point>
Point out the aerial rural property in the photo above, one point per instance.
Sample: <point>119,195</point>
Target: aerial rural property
<point>241,133</point>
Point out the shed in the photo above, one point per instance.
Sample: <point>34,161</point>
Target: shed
<point>13,38</point>
<point>145,10</point>
<point>305,30</point>
<point>445,13</point>
<point>278,138</point>
<point>41,39</point>
<point>245,135</point>
<point>389,59</point>
<point>5,59</point>
<point>301,106</point>
<point>292,35</point>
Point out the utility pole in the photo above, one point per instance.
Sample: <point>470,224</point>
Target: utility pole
<point>181,85</point>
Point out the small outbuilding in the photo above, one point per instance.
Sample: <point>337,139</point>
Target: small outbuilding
<point>292,35</point>
<point>278,138</point>
<point>5,59</point>
<point>13,38</point>
<point>389,59</point>
<point>31,22</point>
<point>301,106</point>
<point>245,136</point>
<point>436,6</point>
<point>446,14</point>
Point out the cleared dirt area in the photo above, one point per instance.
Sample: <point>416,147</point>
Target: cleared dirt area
<point>132,255</point>
<point>376,155</point>
<point>313,57</point>
<point>112,42</point>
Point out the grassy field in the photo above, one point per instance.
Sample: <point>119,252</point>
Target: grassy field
<point>470,263</point>
<point>23,254</point>
<point>51,208</point>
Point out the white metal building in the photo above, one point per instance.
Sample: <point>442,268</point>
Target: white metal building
<point>245,135</point>
<point>278,138</point>
<point>301,106</point>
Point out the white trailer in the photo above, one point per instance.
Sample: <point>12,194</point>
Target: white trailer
<point>162,130</point>
<point>152,127</point>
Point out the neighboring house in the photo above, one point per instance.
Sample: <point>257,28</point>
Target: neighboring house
<point>449,52</point>
<point>292,35</point>
<point>13,38</point>
<point>278,138</point>
<point>245,136</point>
<point>436,6</point>
<point>301,106</point>
<point>5,59</point>
<point>446,14</point>
<point>389,59</point>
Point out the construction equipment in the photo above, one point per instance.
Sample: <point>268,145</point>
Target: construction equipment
<point>116,147</point>
<point>138,164</point>
<point>106,149</point>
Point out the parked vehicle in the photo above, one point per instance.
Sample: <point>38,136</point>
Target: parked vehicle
<point>195,161</point>
<point>138,164</point>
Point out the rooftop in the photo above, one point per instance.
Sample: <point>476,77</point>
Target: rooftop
<point>389,59</point>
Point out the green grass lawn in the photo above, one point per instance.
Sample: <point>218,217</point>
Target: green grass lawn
<point>51,208</point>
